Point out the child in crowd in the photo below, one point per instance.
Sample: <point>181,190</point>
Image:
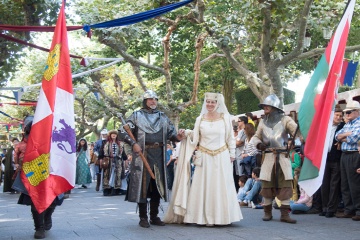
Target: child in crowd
<point>241,192</point>
<point>252,189</point>
<point>295,161</point>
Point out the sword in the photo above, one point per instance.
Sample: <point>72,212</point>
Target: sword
<point>128,130</point>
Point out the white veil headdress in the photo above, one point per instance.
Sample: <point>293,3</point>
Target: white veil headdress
<point>220,107</point>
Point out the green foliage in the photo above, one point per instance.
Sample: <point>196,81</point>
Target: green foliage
<point>247,101</point>
<point>30,13</point>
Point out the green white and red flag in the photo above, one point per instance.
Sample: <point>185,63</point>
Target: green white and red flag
<point>317,106</point>
<point>49,164</point>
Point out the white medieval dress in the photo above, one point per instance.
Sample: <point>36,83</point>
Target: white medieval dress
<point>211,197</point>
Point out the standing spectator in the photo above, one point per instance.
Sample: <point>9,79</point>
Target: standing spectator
<point>99,144</point>
<point>250,116</point>
<point>271,138</point>
<point>330,188</point>
<point>93,159</point>
<point>240,141</point>
<point>349,136</point>
<point>248,156</point>
<point>83,175</point>
<point>9,167</point>
<point>169,165</point>
<point>176,154</point>
<point>114,172</point>
<point>152,129</point>
<point>211,198</point>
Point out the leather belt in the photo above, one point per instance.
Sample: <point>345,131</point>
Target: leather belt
<point>153,145</point>
<point>350,152</point>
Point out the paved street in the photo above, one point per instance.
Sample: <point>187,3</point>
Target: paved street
<point>88,215</point>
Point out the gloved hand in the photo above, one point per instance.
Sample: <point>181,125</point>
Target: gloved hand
<point>261,146</point>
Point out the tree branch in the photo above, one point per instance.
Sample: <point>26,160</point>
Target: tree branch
<point>136,69</point>
<point>118,47</point>
<point>199,45</point>
<point>301,35</point>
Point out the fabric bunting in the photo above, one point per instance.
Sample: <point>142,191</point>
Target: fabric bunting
<point>139,17</point>
<point>7,115</point>
<point>35,28</point>
<point>18,94</point>
<point>348,72</point>
<point>30,44</point>
<point>27,104</point>
<point>317,107</point>
<point>49,164</point>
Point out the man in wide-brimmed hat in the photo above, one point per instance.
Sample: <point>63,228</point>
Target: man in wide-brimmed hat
<point>350,161</point>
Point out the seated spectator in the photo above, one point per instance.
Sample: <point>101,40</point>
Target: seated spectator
<point>303,205</point>
<point>241,192</point>
<point>252,189</point>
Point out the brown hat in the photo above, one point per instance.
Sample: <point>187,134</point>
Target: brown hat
<point>112,132</point>
<point>338,108</point>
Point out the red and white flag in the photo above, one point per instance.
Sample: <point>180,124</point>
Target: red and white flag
<point>317,107</point>
<point>49,164</point>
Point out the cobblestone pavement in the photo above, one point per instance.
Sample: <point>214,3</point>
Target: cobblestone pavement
<point>89,215</point>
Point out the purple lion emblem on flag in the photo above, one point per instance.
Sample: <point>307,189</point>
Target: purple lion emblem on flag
<point>65,134</point>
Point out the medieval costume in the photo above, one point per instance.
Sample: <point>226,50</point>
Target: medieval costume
<point>83,175</point>
<point>42,221</point>
<point>99,144</point>
<point>112,175</point>
<point>211,198</point>
<point>152,128</point>
<point>276,174</point>
<point>9,167</point>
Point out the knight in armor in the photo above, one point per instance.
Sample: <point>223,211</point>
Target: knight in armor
<point>152,129</point>
<point>271,138</point>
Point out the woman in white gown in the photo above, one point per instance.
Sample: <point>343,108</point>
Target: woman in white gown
<point>211,198</point>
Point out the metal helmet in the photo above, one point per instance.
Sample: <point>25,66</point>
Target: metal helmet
<point>27,121</point>
<point>27,124</point>
<point>150,94</point>
<point>273,101</point>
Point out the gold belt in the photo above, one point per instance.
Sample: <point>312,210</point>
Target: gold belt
<point>213,152</point>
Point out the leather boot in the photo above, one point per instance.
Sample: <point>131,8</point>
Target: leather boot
<point>284,209</point>
<point>47,218</point>
<point>98,180</point>
<point>143,215</point>
<point>154,211</point>
<point>267,213</point>
<point>39,223</point>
